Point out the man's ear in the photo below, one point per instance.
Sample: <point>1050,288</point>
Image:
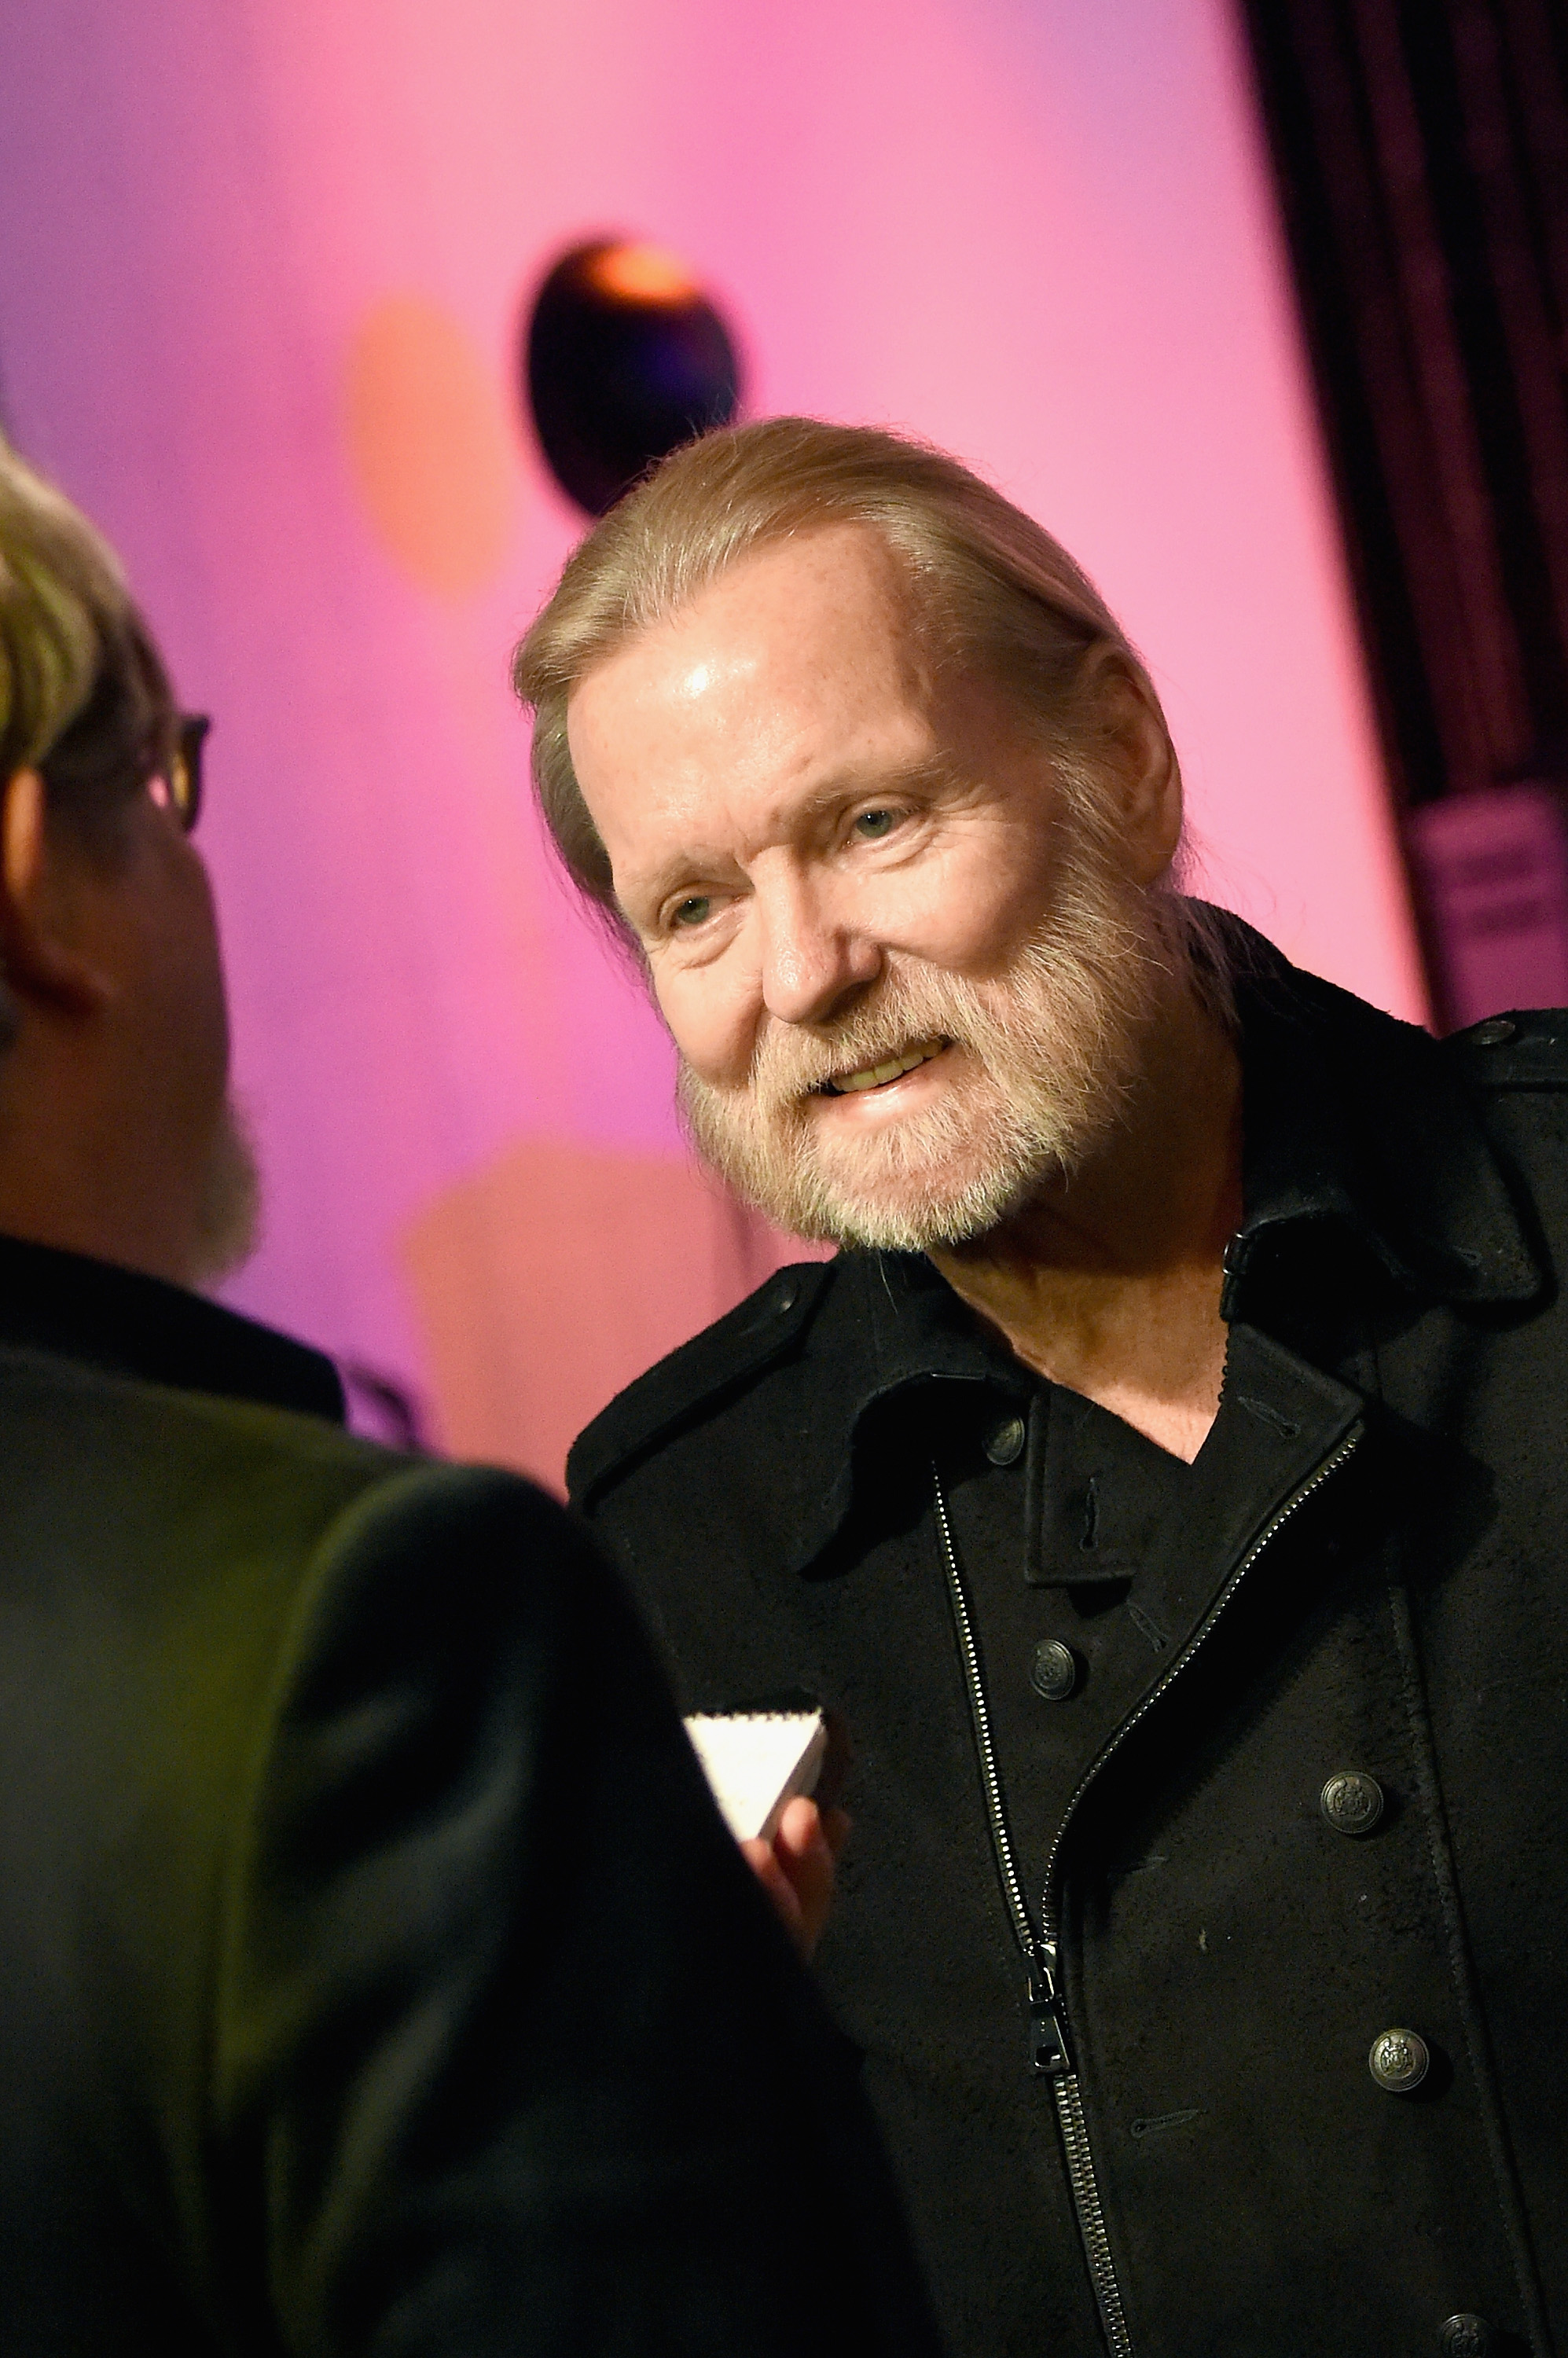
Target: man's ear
<point>1132,729</point>
<point>42,906</point>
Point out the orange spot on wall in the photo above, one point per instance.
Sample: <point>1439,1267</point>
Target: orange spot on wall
<point>642,273</point>
<point>431,444</point>
<point>546,1282</point>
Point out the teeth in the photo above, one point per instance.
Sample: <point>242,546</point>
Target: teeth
<point>873,1075</point>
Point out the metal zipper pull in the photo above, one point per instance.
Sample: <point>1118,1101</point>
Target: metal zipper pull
<point>1049,2052</point>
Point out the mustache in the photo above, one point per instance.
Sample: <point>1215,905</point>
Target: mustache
<point>902,1010</point>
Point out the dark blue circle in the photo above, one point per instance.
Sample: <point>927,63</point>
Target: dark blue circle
<point>617,376</point>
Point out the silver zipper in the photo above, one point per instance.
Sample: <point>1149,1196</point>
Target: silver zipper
<point>1002,1840</point>
<point>1048,2021</point>
<point>1085,2188</point>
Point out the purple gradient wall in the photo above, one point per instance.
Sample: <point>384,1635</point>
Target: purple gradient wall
<point>259,271</point>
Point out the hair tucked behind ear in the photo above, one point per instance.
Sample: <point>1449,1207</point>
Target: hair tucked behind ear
<point>84,696</point>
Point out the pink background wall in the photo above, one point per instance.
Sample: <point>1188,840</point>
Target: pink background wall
<point>260,263</point>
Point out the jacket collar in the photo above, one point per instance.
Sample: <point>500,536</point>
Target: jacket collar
<point>1349,1117</point>
<point>123,1323</point>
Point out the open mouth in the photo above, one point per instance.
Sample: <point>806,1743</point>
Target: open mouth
<point>877,1077</point>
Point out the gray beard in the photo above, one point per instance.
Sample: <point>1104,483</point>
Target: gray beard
<point>1053,1045</point>
<point>229,1213</point>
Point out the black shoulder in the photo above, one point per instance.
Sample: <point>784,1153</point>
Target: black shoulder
<point>680,1389</point>
<point>1525,1049</point>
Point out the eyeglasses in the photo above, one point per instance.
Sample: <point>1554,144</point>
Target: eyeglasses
<point>182,780</point>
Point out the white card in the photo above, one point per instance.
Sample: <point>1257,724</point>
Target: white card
<point>756,1762</point>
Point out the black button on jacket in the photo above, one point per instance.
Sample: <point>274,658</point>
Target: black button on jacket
<point>1367,1575</point>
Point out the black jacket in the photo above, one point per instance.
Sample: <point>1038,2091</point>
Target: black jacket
<point>375,1976</point>
<point>1385,1594</point>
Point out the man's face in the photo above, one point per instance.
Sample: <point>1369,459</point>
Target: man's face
<point>905,987</point>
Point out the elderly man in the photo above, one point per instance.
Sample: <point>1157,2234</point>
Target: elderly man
<point>375,1975</point>
<point>1166,1481</point>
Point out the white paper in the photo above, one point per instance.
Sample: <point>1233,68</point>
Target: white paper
<point>756,1762</point>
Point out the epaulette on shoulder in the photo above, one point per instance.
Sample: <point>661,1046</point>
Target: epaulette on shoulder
<point>681,1388</point>
<point>1525,1049</point>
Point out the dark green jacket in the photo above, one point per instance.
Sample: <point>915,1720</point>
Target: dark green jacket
<point>375,1976</point>
<point>1393,1601</point>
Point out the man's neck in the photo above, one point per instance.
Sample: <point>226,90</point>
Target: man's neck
<point>1110,1283</point>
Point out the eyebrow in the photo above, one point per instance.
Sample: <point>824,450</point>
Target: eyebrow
<point>929,776</point>
<point>934,772</point>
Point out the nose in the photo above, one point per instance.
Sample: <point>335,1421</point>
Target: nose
<point>811,959</point>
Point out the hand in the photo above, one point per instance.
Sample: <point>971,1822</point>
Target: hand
<point>797,1869</point>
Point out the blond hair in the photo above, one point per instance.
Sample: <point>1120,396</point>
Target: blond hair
<point>85,696</point>
<point>989,590</point>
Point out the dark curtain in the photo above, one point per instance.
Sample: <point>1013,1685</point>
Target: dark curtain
<point>1422,153</point>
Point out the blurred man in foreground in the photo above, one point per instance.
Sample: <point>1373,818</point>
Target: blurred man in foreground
<point>1167,1484</point>
<point>375,1976</point>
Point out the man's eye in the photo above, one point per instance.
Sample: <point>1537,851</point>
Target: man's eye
<point>871,826</point>
<point>693,911</point>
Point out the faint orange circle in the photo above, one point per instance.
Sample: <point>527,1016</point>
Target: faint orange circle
<point>431,444</point>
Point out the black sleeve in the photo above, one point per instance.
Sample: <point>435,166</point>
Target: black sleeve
<point>511,2055</point>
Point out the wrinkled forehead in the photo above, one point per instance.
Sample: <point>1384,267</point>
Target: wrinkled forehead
<point>803,650</point>
<point>807,596</point>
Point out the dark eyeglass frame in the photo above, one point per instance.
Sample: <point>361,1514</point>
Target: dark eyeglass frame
<point>184,776</point>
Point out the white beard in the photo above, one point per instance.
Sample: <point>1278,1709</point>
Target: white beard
<point>1048,1053</point>
<point>229,1219</point>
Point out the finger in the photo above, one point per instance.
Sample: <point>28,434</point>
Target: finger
<point>800,1830</point>
<point>801,1850</point>
<point>761,1858</point>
